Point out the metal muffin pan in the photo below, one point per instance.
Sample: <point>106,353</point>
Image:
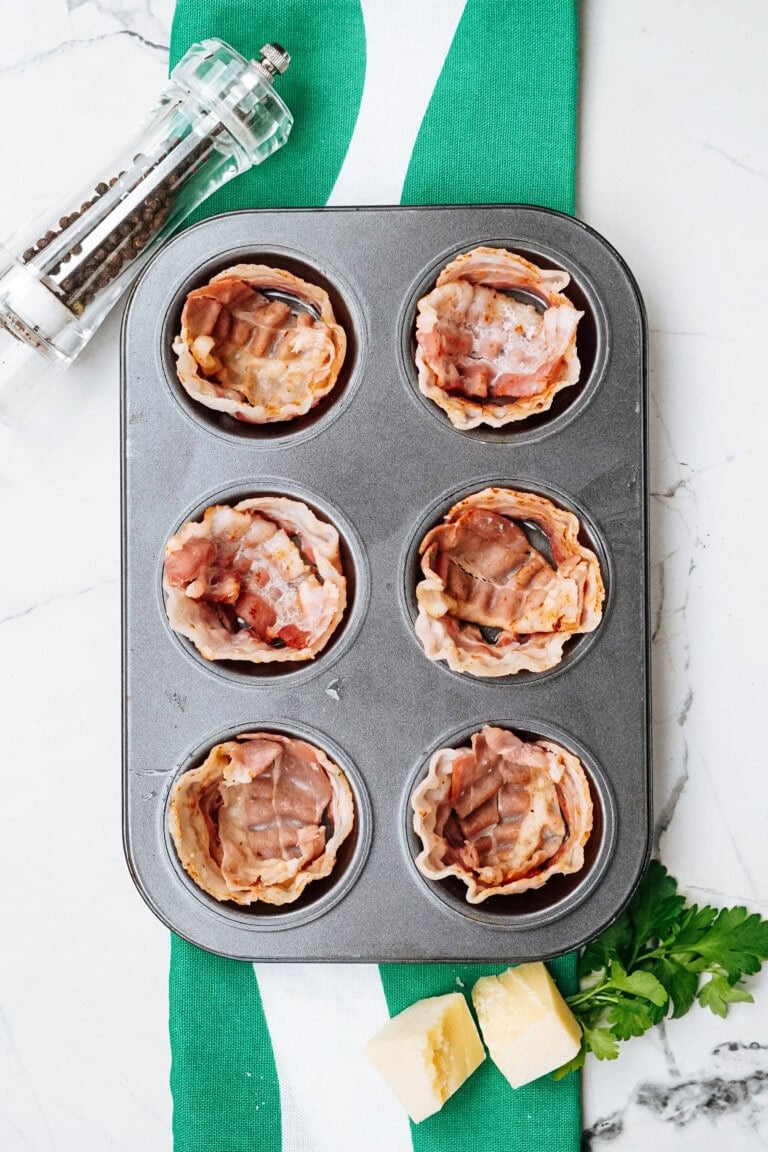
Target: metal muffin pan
<point>384,464</point>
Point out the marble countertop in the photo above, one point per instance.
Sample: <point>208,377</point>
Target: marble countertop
<point>673,170</point>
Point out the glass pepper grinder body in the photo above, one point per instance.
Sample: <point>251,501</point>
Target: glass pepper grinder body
<point>218,116</point>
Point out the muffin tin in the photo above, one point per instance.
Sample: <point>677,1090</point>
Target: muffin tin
<point>383,464</point>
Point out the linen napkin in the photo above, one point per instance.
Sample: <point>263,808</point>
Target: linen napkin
<point>417,101</point>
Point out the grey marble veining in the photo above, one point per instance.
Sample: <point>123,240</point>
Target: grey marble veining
<point>727,1100</point>
<point>44,30</point>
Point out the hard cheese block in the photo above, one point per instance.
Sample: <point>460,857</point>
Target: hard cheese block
<point>426,1052</point>
<point>527,1026</point>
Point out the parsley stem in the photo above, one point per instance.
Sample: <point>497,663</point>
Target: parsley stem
<point>655,954</point>
<point>596,993</point>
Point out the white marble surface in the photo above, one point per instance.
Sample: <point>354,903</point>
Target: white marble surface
<point>673,170</point>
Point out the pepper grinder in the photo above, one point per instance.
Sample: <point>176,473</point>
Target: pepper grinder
<point>217,116</point>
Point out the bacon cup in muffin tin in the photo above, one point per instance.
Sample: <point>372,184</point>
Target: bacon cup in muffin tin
<point>496,338</point>
<point>490,602</point>
<point>259,344</point>
<point>503,815</point>
<point>260,581</point>
<point>262,817</point>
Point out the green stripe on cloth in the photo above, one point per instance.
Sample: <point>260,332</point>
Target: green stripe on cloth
<point>501,125</point>
<point>226,1097</point>
<point>485,1115</point>
<point>322,88</point>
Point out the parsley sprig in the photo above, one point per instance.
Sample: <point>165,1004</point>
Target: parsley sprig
<point>654,958</point>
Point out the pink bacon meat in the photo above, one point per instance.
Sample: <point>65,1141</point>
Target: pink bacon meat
<point>481,572</point>
<point>485,357</point>
<point>503,815</point>
<point>261,818</point>
<point>261,581</point>
<point>257,358</point>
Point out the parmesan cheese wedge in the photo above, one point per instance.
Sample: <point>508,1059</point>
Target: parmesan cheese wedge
<point>528,1028</point>
<point>427,1052</point>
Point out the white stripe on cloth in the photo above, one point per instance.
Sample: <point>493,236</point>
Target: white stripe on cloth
<point>319,1017</point>
<point>406,47</point>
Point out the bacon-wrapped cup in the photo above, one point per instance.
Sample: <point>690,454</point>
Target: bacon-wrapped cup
<point>261,581</point>
<point>490,604</point>
<point>503,815</point>
<point>485,357</point>
<point>245,351</point>
<point>261,818</point>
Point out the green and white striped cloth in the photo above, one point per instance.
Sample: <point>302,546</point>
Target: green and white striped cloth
<point>416,102</point>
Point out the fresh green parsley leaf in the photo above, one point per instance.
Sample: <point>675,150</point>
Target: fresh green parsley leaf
<point>693,926</point>
<point>611,944</point>
<point>680,983</point>
<point>732,940</point>
<point>639,983</point>
<point>655,908</point>
<point>629,1017</point>
<point>652,959</point>
<point>601,1042</point>
<point>717,994</point>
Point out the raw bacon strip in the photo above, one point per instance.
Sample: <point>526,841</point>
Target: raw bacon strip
<point>480,571</point>
<point>485,357</point>
<point>261,581</point>
<point>503,815</point>
<point>253,357</point>
<point>261,818</point>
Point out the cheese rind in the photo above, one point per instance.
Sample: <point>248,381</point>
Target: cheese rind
<point>427,1052</point>
<point>528,1028</point>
